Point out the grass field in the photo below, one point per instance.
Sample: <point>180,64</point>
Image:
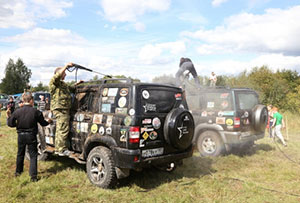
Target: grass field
<point>262,174</point>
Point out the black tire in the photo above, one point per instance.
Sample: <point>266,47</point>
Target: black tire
<point>179,128</point>
<point>210,144</point>
<point>259,117</point>
<point>100,167</point>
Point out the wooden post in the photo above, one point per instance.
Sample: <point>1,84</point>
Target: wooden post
<point>286,128</point>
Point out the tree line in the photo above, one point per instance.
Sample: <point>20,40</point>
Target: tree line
<point>280,88</point>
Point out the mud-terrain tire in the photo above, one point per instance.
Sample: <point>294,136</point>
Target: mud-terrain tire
<point>100,167</point>
<point>259,117</point>
<point>210,144</point>
<point>179,128</point>
<point>41,145</point>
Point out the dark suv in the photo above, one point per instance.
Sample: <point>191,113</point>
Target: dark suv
<point>226,118</point>
<point>118,126</point>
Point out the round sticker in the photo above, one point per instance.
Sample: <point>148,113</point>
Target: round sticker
<point>229,122</point>
<point>94,128</point>
<point>104,92</point>
<point>156,123</point>
<point>122,102</point>
<point>131,112</point>
<point>101,130</point>
<point>153,135</point>
<point>145,94</point>
<point>123,92</point>
<point>127,120</point>
<point>108,131</point>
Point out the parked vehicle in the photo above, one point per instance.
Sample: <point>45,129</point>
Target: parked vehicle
<point>3,100</point>
<point>121,126</point>
<point>226,118</point>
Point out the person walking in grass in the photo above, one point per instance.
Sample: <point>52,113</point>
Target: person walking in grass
<point>278,123</point>
<point>26,121</point>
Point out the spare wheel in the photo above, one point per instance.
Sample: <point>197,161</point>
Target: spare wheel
<point>179,128</point>
<point>259,117</point>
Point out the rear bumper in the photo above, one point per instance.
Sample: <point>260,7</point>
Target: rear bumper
<point>125,158</point>
<point>238,138</point>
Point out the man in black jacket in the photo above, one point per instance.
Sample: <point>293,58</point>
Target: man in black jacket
<point>26,119</point>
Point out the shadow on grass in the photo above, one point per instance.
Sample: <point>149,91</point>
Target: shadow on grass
<point>249,151</point>
<point>61,164</point>
<point>150,178</point>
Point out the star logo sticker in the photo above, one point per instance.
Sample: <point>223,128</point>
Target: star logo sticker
<point>182,130</point>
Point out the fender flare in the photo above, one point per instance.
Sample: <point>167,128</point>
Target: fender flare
<point>96,140</point>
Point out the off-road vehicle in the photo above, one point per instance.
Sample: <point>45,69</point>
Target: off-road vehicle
<point>226,118</point>
<point>118,126</point>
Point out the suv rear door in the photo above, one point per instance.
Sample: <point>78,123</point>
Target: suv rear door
<point>245,101</point>
<point>153,106</point>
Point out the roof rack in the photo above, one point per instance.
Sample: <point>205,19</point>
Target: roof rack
<point>107,80</point>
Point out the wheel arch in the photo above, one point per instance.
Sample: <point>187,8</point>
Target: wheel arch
<point>212,127</point>
<point>95,140</point>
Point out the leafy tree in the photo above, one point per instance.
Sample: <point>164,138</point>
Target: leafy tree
<point>16,78</point>
<point>40,87</point>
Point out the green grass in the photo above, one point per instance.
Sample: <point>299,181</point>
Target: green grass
<point>263,174</point>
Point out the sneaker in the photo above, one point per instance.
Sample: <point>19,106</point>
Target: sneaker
<point>33,179</point>
<point>65,153</point>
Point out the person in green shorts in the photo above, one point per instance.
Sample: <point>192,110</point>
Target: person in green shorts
<point>60,106</point>
<point>278,123</point>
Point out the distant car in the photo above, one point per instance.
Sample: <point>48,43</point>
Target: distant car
<point>37,96</point>
<point>226,118</point>
<point>3,100</point>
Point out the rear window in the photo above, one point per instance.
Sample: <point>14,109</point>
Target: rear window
<point>247,100</point>
<point>159,100</point>
<point>216,101</point>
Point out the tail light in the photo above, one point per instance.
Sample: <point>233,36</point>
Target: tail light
<point>237,122</point>
<point>134,134</point>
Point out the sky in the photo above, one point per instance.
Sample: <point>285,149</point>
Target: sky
<point>146,38</point>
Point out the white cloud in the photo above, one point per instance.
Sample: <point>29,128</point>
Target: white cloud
<point>42,50</point>
<point>151,54</point>
<point>192,18</point>
<point>25,13</point>
<point>129,10</point>
<point>216,3</point>
<point>233,67</point>
<point>276,31</point>
<point>139,27</point>
<point>40,36</point>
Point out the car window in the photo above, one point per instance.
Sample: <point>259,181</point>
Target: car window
<point>216,101</point>
<point>85,101</point>
<point>158,100</point>
<point>114,100</point>
<point>247,100</point>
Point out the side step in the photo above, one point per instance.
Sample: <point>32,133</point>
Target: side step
<point>76,156</point>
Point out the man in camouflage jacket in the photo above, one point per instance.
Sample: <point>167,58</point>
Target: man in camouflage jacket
<point>60,106</point>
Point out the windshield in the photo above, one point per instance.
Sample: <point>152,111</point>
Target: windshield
<point>247,100</point>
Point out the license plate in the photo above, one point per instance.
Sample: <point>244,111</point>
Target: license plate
<point>152,152</point>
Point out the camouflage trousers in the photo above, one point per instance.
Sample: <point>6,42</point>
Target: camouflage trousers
<point>62,129</point>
